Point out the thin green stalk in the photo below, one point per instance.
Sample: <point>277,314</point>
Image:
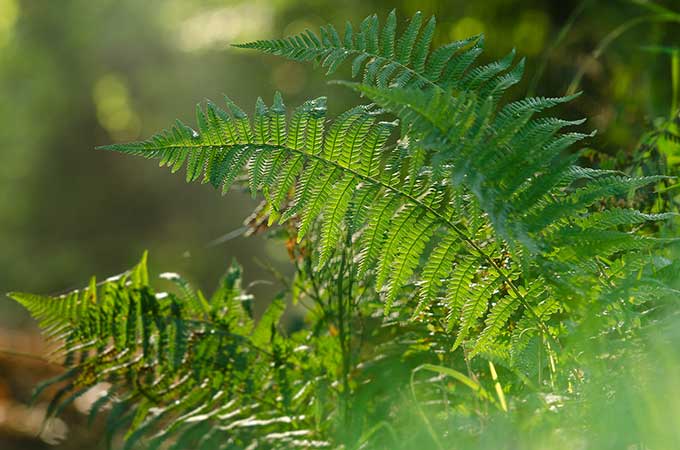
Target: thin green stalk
<point>613,35</point>
<point>421,413</point>
<point>675,80</point>
<point>561,35</point>
<point>344,315</point>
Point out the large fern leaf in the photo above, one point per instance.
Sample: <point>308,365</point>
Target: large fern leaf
<point>458,138</point>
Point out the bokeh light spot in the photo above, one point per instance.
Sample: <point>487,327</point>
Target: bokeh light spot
<point>530,32</point>
<point>9,13</point>
<point>466,27</point>
<point>216,28</point>
<point>114,108</point>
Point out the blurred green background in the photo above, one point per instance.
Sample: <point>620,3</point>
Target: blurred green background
<point>75,74</point>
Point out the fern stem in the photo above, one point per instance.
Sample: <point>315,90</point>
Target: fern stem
<point>344,347</point>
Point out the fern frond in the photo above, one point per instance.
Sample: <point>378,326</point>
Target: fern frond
<point>518,175</point>
<point>172,360</point>
<point>410,249</point>
<point>374,235</point>
<point>325,169</point>
<point>334,213</point>
<point>526,331</point>
<point>390,59</point>
<point>620,217</point>
<point>403,208</point>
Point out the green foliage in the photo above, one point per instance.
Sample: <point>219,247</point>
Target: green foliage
<point>659,152</point>
<point>179,366</point>
<point>474,228</point>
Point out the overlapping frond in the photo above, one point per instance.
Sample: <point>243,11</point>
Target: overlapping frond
<point>514,164</point>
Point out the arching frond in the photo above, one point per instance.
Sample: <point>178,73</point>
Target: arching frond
<point>397,211</point>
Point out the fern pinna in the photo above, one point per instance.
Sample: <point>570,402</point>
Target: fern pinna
<point>459,206</point>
